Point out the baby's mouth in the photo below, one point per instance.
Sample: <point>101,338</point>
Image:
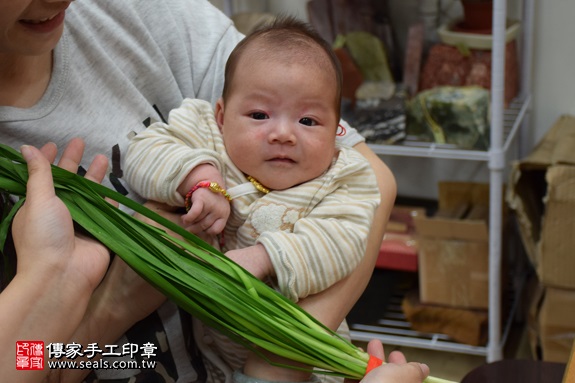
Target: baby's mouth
<point>282,159</point>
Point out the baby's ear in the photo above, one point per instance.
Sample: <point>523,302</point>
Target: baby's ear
<point>219,113</point>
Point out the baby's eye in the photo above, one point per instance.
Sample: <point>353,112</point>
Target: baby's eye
<point>259,116</point>
<point>307,121</point>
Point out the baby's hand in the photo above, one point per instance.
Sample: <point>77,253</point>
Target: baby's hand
<point>208,214</point>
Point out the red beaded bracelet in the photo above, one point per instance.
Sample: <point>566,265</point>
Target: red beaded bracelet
<point>212,186</point>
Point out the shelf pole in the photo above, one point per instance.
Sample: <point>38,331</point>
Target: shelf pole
<point>527,25</point>
<point>496,167</point>
<point>527,46</point>
<point>228,8</point>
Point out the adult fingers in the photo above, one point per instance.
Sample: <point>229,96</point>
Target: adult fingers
<point>72,155</point>
<point>375,348</point>
<point>424,368</point>
<point>40,185</point>
<point>49,151</point>
<point>408,372</point>
<point>97,169</point>
<point>397,357</point>
<point>418,368</point>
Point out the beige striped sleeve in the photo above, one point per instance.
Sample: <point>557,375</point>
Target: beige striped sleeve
<point>159,158</point>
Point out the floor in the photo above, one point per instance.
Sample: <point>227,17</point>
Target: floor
<point>447,365</point>
<point>453,366</point>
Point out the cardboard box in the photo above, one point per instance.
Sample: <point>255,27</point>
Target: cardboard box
<point>454,247</point>
<point>463,325</point>
<point>543,196</point>
<point>551,324</point>
<point>454,273</point>
<point>398,252</point>
<point>532,325</point>
<point>398,249</point>
<point>569,376</point>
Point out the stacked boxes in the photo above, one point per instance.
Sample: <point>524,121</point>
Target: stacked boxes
<point>543,196</point>
<point>398,249</point>
<point>454,247</point>
<point>453,257</point>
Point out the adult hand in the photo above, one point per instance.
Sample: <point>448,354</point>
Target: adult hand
<point>397,369</point>
<point>122,290</point>
<point>43,231</point>
<point>57,270</point>
<point>122,299</point>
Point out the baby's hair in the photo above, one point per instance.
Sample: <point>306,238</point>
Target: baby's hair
<point>287,39</point>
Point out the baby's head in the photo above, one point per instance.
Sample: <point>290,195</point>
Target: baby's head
<point>280,107</point>
<point>286,40</point>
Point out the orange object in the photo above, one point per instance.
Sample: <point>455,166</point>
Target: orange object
<point>398,249</point>
<point>374,362</point>
<point>397,252</point>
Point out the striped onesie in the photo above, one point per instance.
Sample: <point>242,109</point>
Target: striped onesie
<point>315,233</point>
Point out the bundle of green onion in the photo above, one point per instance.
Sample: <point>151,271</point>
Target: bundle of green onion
<point>197,277</point>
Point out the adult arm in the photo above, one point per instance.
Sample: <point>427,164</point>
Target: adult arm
<point>57,270</point>
<point>330,306</point>
<point>122,299</point>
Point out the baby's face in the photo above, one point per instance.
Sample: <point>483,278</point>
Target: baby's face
<point>279,121</point>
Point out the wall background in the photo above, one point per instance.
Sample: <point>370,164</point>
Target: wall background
<point>553,81</point>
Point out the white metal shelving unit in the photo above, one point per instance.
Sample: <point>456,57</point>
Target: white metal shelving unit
<point>505,126</point>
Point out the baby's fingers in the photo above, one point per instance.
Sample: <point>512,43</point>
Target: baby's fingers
<point>196,213</point>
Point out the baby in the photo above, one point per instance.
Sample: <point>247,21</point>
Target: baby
<point>264,172</point>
